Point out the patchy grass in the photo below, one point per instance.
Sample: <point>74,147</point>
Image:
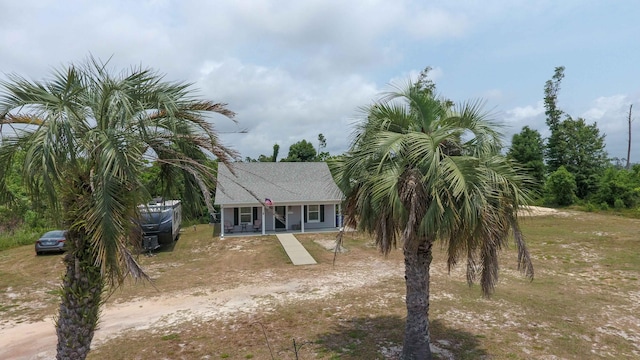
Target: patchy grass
<point>584,301</point>
<point>19,237</point>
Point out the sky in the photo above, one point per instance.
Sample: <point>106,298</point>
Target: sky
<point>294,69</point>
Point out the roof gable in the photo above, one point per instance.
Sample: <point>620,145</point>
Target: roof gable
<point>281,182</point>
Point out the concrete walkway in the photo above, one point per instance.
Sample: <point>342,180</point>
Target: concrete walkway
<point>297,253</point>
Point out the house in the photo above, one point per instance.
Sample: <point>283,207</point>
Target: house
<point>277,196</point>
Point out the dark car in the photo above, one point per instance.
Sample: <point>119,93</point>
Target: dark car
<point>52,241</point>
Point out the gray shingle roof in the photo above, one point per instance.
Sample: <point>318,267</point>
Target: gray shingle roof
<point>281,182</point>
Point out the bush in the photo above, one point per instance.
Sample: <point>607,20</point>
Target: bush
<point>590,207</point>
<point>561,186</point>
<point>22,236</point>
<point>604,206</point>
<point>618,204</point>
<point>619,184</point>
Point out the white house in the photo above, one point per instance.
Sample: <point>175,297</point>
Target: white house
<point>277,196</point>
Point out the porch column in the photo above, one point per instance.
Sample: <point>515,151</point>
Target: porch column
<point>263,223</point>
<point>301,218</point>
<point>340,215</point>
<point>221,221</point>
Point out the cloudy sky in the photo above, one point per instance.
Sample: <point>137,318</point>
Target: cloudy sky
<point>294,69</point>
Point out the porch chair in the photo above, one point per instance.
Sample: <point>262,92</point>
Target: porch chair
<point>228,227</point>
<point>257,225</point>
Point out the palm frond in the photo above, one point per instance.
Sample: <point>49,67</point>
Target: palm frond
<point>468,193</point>
<point>94,127</point>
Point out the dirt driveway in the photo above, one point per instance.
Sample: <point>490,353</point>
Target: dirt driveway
<point>37,340</point>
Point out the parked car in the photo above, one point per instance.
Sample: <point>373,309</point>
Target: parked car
<point>52,241</point>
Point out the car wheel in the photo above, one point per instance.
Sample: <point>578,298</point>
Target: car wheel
<point>38,253</point>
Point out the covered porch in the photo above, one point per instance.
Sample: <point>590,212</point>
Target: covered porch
<point>248,219</point>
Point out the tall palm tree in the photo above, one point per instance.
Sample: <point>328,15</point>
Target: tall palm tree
<point>421,170</point>
<point>87,133</point>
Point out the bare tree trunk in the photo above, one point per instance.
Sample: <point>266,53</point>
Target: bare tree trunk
<point>629,147</point>
<point>417,260</point>
<point>82,287</point>
<point>417,336</point>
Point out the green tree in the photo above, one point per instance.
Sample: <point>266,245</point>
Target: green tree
<point>582,153</point>
<point>166,181</point>
<point>561,186</point>
<point>302,151</point>
<point>619,184</point>
<point>18,207</point>
<point>322,144</point>
<point>551,89</point>
<point>411,175</point>
<point>87,134</point>
<point>574,144</point>
<point>527,148</point>
<point>273,157</point>
<point>556,148</point>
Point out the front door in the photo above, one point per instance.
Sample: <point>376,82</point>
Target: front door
<point>281,212</point>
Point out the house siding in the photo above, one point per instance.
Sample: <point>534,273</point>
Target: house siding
<point>293,220</point>
<point>328,216</point>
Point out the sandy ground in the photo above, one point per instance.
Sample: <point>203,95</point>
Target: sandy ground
<point>37,340</point>
<point>542,211</point>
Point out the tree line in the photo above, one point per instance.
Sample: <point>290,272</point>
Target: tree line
<point>301,151</point>
<point>571,165</point>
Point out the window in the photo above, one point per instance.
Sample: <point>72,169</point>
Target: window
<point>313,213</point>
<point>245,215</point>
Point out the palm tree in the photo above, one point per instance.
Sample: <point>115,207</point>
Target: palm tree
<point>420,170</point>
<point>88,134</point>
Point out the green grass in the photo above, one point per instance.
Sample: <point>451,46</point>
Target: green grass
<point>19,238</point>
<point>170,337</point>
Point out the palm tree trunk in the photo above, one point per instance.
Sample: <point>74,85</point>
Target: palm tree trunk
<point>82,287</point>
<point>417,261</point>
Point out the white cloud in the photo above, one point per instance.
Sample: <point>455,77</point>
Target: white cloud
<point>275,107</point>
<point>524,114</point>
<point>611,114</point>
<point>294,69</point>
<point>607,106</point>
<point>436,23</point>
<point>529,115</point>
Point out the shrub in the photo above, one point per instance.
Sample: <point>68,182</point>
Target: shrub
<point>618,204</point>
<point>561,186</point>
<point>22,236</point>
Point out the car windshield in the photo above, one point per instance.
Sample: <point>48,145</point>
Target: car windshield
<point>54,234</point>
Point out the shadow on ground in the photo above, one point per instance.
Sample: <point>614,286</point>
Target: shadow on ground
<point>381,338</point>
<point>163,248</point>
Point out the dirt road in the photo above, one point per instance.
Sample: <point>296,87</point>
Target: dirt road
<point>38,340</point>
